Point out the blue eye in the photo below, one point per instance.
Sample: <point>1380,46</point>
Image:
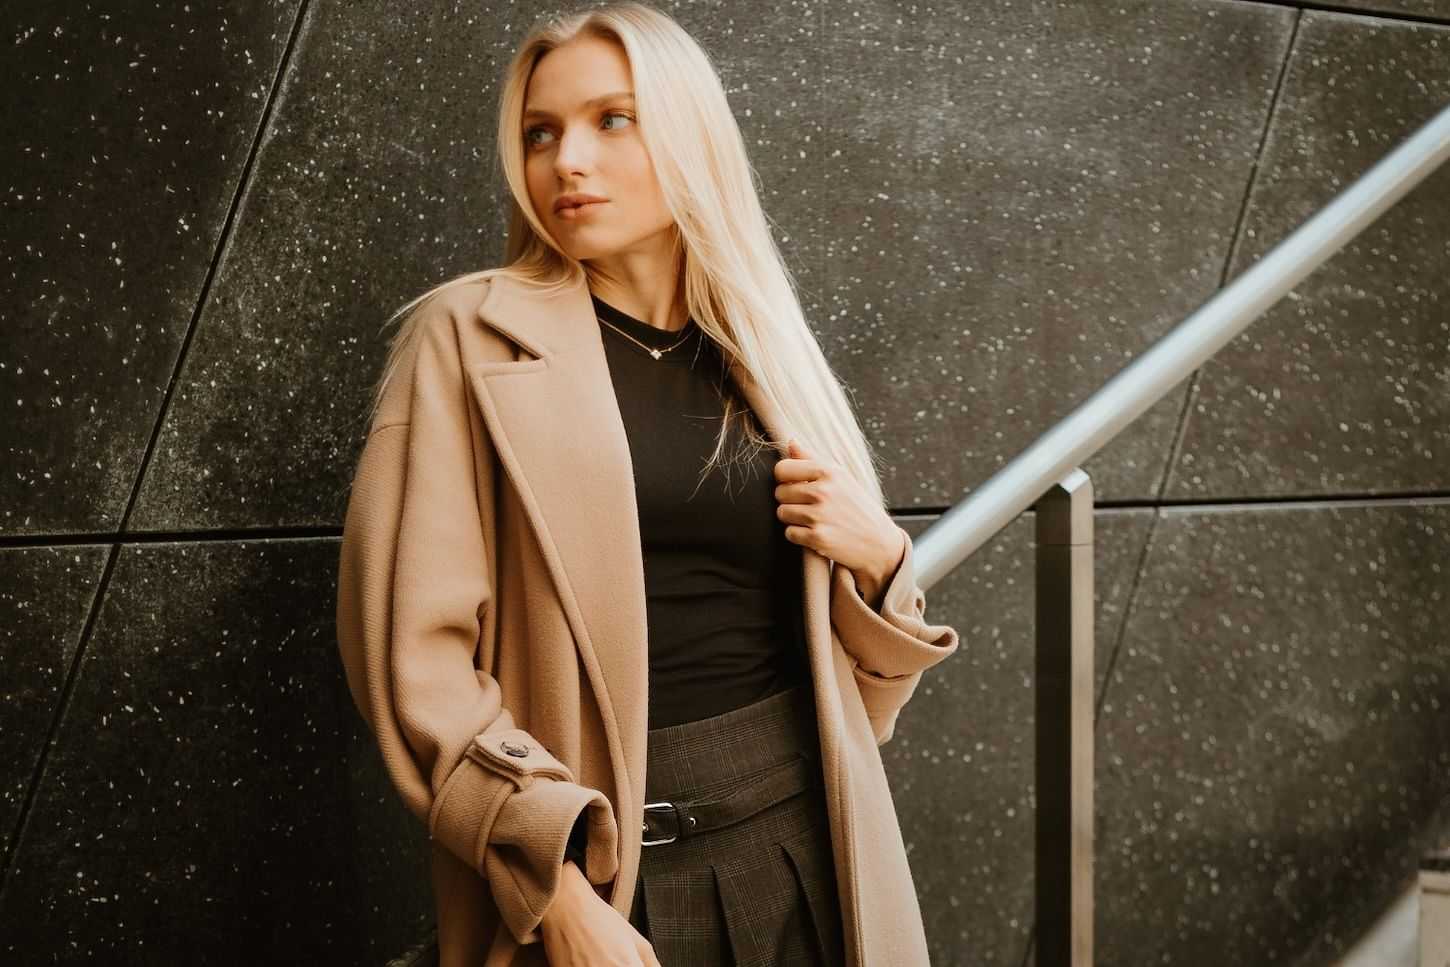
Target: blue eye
<point>529,131</point>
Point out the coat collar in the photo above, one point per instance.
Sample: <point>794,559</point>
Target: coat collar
<point>555,423</point>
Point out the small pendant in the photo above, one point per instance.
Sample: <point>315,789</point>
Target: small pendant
<point>655,353</point>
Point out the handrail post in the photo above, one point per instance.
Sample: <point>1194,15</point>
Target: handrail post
<point>1064,713</point>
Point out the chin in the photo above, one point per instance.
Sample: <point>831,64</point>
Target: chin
<point>581,251</point>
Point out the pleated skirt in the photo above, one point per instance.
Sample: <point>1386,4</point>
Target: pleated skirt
<point>762,891</point>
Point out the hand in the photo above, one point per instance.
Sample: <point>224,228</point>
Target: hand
<point>827,510</point>
<point>580,929</point>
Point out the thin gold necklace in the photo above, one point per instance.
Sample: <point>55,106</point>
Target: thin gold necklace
<point>656,353</point>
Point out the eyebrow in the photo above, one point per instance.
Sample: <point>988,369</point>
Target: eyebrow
<point>620,95</point>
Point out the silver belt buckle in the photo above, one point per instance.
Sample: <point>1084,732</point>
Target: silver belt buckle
<point>645,827</point>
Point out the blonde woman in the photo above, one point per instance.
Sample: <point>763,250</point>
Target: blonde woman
<point>618,595</point>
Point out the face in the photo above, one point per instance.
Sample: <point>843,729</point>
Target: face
<point>581,135</point>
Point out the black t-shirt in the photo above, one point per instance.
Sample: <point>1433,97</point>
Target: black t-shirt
<point>723,584</point>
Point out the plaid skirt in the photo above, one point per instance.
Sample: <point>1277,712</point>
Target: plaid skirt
<point>760,892</point>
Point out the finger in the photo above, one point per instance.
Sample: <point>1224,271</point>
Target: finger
<point>794,514</point>
<point>796,451</point>
<point>797,534</point>
<point>796,493</point>
<point>788,470</point>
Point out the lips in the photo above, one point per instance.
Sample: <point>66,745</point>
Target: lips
<point>576,199</point>
<point>578,211</point>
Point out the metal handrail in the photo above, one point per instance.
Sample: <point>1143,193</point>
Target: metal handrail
<point>1064,653</point>
<point>973,521</point>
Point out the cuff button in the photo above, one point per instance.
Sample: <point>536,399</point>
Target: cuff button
<point>515,749</point>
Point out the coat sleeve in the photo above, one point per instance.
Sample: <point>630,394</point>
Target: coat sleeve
<point>413,587</point>
<point>893,645</point>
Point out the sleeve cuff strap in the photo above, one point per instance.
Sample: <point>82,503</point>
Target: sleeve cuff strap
<point>513,831</point>
<point>524,859</point>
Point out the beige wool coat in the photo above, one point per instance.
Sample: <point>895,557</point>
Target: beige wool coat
<point>491,624</point>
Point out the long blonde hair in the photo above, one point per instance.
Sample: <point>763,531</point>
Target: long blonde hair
<point>736,286</point>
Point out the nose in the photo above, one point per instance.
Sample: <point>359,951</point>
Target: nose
<point>575,153</point>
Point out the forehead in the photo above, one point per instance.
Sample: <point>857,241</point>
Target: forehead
<point>580,75</point>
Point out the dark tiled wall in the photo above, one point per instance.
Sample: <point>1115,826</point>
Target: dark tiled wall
<point>211,794</point>
<point>991,209</point>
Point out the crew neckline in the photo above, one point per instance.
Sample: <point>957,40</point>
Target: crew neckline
<point>650,335</point>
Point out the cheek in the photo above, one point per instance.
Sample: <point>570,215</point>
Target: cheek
<point>536,183</point>
<point>644,186</point>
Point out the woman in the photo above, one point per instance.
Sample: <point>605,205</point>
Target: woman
<point>638,707</point>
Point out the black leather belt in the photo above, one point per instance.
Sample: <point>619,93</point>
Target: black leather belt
<point>665,822</point>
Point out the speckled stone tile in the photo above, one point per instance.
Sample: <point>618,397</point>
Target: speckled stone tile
<point>369,186</point>
<point>376,181</point>
<point>126,129</point>
<point>961,760</point>
<point>1342,387</point>
<point>1275,742</point>
<point>213,796</point>
<point>45,595</point>
<point>1439,9</point>
<point>771,58</point>
<point>1029,197</point>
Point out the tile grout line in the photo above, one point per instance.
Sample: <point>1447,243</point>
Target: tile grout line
<point>32,787</point>
<point>1174,450</point>
<point>62,706</point>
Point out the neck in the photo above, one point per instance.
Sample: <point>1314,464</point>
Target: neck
<point>652,297</point>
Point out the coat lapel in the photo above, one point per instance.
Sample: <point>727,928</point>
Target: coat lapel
<point>555,422</point>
